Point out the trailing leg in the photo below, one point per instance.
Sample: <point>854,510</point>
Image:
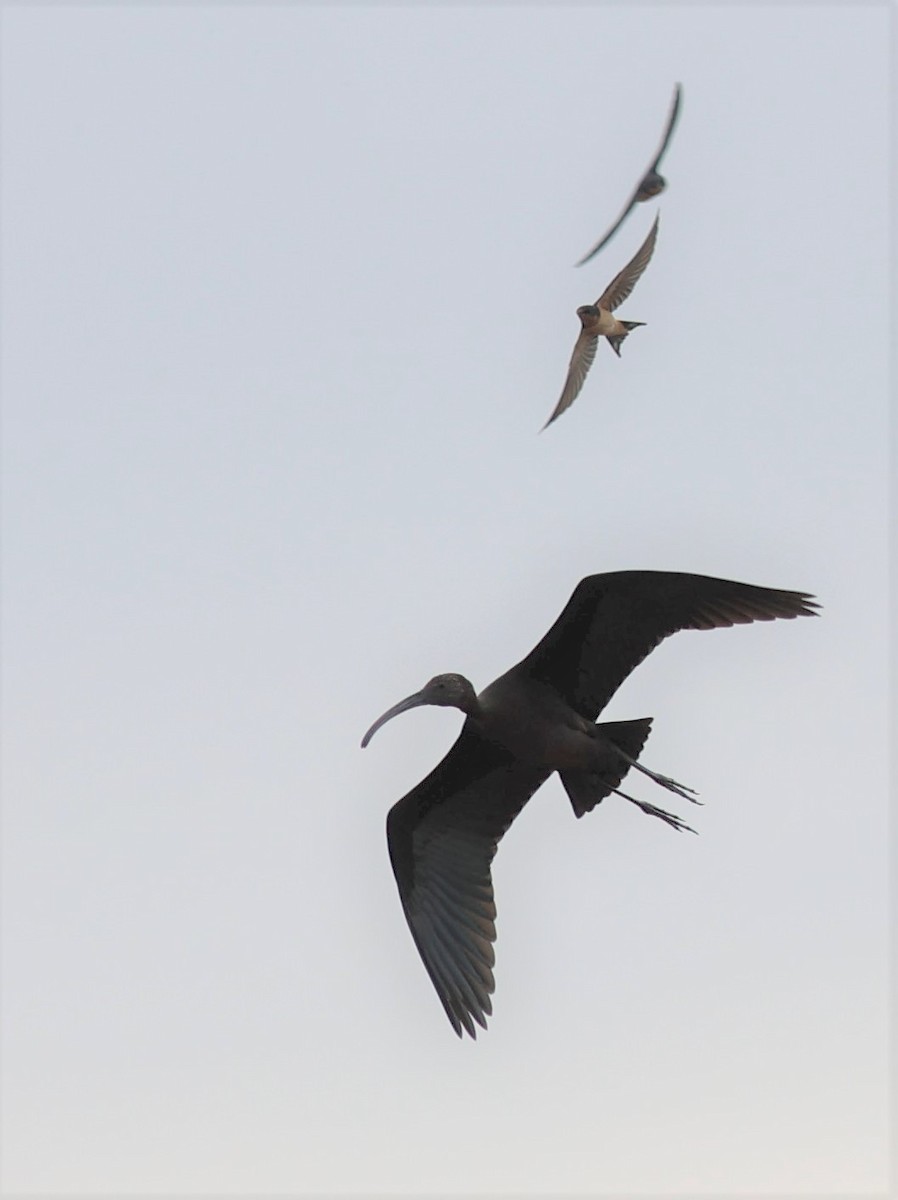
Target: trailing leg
<point>680,789</point>
<point>651,810</point>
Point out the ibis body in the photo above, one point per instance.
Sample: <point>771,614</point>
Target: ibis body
<point>537,718</point>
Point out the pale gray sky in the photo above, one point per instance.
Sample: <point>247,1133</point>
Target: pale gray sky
<point>287,294</point>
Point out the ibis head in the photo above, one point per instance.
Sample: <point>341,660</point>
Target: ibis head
<point>445,691</point>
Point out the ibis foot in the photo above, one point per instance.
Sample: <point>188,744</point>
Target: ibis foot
<point>651,810</point>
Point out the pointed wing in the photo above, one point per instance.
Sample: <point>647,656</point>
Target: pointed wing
<point>442,838</point>
<point>631,204</point>
<point>581,360</point>
<point>668,132</point>
<point>612,622</point>
<point>623,283</point>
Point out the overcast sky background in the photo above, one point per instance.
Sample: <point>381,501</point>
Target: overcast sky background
<point>287,294</point>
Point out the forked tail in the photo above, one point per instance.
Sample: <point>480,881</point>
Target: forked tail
<point>617,338</point>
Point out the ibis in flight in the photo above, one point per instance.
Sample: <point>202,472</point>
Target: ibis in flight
<point>651,184</point>
<point>537,718</point>
<point>598,320</point>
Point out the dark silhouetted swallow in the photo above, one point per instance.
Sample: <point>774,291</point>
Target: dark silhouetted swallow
<point>598,320</point>
<point>651,184</point>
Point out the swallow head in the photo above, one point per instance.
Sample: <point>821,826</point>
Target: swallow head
<point>652,185</point>
<point>587,312</point>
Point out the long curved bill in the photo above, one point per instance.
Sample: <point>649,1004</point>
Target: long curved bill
<point>403,706</point>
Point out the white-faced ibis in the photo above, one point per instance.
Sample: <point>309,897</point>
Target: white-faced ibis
<point>598,320</point>
<point>537,718</point>
<point>651,184</point>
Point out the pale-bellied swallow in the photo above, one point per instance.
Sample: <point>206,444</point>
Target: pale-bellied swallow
<point>598,320</point>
